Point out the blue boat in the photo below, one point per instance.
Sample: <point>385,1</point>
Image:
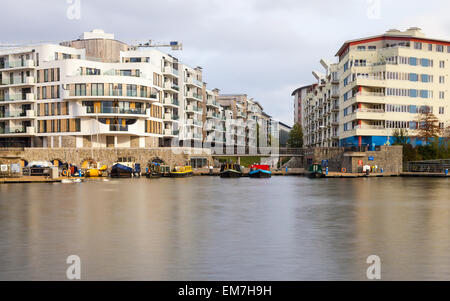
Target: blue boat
<point>260,171</point>
<point>120,170</point>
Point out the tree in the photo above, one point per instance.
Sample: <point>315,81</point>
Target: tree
<point>296,137</point>
<point>428,127</point>
<point>400,136</point>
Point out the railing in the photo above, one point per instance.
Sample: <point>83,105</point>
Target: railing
<point>17,64</point>
<point>18,80</point>
<point>13,130</point>
<point>362,110</point>
<point>92,110</point>
<point>432,166</point>
<point>169,101</point>
<point>118,128</point>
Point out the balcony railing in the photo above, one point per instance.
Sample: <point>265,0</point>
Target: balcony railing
<point>118,128</point>
<point>18,80</point>
<point>169,101</point>
<point>13,130</point>
<point>93,110</point>
<point>17,97</point>
<point>18,64</point>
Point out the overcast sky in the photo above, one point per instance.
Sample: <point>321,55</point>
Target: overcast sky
<point>263,48</point>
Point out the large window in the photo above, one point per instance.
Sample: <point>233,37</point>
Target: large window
<point>97,90</point>
<point>132,90</point>
<point>80,89</point>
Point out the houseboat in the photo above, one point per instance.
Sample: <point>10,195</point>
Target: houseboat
<point>230,170</point>
<point>260,171</point>
<point>125,168</point>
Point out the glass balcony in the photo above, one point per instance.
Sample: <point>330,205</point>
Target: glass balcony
<point>91,110</point>
<point>118,128</point>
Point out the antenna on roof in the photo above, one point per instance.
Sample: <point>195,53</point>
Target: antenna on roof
<point>175,45</point>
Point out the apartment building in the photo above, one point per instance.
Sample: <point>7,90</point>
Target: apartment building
<point>299,94</point>
<point>99,92</point>
<point>383,82</point>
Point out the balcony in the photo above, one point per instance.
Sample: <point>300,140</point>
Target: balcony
<point>193,136</point>
<point>211,114</point>
<point>118,128</point>
<point>171,102</point>
<point>29,97</point>
<point>195,96</point>
<point>194,109</point>
<point>168,70</point>
<point>93,110</point>
<point>18,81</point>
<point>170,117</point>
<point>19,130</point>
<point>170,132</point>
<point>195,82</point>
<point>212,102</point>
<point>18,64</point>
<point>194,122</point>
<point>17,114</point>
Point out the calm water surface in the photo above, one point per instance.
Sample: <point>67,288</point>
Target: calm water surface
<point>206,228</point>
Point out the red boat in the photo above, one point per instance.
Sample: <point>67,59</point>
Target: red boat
<point>260,171</point>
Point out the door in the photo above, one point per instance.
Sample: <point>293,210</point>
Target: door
<point>110,141</point>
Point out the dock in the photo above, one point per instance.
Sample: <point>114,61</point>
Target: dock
<point>32,180</point>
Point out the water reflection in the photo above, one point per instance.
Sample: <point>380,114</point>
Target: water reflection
<point>284,228</point>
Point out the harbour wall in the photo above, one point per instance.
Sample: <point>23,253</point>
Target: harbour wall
<point>108,156</point>
<point>388,158</point>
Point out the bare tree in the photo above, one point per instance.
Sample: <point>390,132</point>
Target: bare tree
<point>428,126</point>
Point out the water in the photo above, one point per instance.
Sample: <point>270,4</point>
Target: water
<point>207,228</point>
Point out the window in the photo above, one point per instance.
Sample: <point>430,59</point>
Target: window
<point>413,61</point>
<point>46,75</point>
<point>441,110</point>
<point>80,89</point>
<point>413,77</point>
<point>441,64</point>
<point>97,90</point>
<point>361,48</point>
<point>441,125</point>
<point>425,78</point>
<point>439,48</point>
<point>430,47</point>
<point>44,92</point>
<point>371,48</point>
<point>441,95</point>
<point>442,79</point>
<point>418,45</point>
<point>132,90</point>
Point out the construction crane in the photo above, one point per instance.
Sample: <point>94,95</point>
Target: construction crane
<point>175,45</point>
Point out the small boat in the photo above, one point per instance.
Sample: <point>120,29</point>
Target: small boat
<point>230,170</point>
<point>93,169</point>
<point>260,171</point>
<point>155,170</point>
<point>181,172</point>
<point>125,169</point>
<point>315,171</point>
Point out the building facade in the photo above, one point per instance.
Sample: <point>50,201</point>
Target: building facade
<point>379,84</point>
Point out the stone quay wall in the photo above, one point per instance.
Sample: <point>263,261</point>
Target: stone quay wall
<point>109,156</point>
<point>388,158</point>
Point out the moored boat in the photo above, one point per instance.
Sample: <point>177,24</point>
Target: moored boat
<point>154,170</point>
<point>93,169</point>
<point>260,171</point>
<point>125,169</point>
<point>315,171</point>
<point>181,172</point>
<point>230,170</point>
